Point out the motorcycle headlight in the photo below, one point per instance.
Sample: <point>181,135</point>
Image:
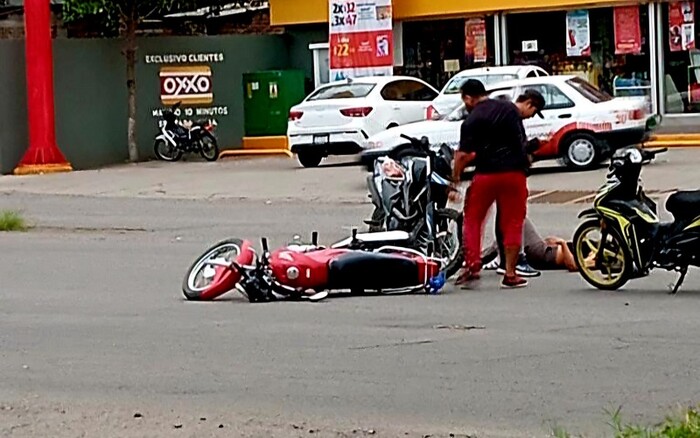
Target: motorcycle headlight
<point>374,144</point>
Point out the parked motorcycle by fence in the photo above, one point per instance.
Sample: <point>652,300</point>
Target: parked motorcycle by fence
<point>621,237</point>
<point>408,188</point>
<point>175,139</point>
<point>308,271</point>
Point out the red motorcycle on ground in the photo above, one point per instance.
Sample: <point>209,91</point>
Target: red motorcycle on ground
<point>296,272</point>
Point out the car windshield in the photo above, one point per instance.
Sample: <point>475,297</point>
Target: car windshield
<point>454,85</point>
<point>589,91</point>
<point>342,91</point>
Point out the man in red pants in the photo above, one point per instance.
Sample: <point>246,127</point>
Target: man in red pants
<point>494,139</point>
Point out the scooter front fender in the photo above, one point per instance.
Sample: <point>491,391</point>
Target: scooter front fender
<point>588,213</point>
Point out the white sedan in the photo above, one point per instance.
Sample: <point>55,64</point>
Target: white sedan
<point>337,118</point>
<point>450,96</point>
<point>582,126</point>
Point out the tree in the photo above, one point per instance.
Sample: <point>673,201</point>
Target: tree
<point>122,17</point>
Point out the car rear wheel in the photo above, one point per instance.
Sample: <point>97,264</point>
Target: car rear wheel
<point>309,159</point>
<point>580,151</point>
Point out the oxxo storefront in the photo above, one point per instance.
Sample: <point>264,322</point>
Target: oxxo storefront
<point>623,48</point>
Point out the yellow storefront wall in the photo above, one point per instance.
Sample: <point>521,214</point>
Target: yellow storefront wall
<point>288,12</point>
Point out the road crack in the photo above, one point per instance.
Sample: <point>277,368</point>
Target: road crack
<point>394,344</point>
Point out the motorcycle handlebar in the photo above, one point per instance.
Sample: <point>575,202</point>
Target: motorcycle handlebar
<point>423,142</point>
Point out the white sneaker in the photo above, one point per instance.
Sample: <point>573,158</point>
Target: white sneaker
<point>493,264</point>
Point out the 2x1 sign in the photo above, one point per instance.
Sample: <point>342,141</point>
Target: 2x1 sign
<point>187,84</point>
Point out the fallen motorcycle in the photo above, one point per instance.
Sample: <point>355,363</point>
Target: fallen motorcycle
<point>299,272</point>
<point>621,237</point>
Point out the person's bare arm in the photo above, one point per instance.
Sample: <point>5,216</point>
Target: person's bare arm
<point>461,161</point>
<point>567,258</point>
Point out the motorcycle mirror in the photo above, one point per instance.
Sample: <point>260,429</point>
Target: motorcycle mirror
<point>314,238</point>
<point>634,155</point>
<point>354,233</point>
<point>265,247</point>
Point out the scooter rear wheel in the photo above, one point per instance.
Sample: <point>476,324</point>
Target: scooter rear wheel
<point>449,239</point>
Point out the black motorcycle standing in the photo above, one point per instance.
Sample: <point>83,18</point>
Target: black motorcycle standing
<point>409,190</point>
<point>174,139</point>
<point>621,237</point>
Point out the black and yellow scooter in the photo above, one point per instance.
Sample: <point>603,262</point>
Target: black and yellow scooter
<point>621,237</point>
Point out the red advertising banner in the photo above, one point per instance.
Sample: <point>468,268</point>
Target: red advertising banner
<point>360,38</point>
<point>475,40</point>
<point>628,31</point>
<point>361,50</point>
<point>681,25</point>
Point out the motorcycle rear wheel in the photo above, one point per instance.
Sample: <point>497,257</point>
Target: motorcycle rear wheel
<point>209,148</point>
<point>160,148</point>
<point>616,266</point>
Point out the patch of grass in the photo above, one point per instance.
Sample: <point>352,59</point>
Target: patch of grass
<point>12,221</point>
<point>685,425</point>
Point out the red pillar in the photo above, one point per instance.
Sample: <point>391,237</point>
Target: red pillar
<point>43,154</point>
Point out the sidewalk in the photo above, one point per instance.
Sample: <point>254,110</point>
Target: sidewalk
<point>281,178</point>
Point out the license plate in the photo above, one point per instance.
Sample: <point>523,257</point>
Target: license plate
<point>320,139</point>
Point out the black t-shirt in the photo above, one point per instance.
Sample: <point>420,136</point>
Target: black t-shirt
<point>494,131</point>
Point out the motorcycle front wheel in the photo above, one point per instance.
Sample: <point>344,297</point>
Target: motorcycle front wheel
<point>448,239</point>
<point>203,281</point>
<point>165,151</point>
<point>209,148</point>
<point>604,265</point>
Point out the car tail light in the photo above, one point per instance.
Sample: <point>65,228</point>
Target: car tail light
<point>431,113</point>
<point>356,112</point>
<point>295,115</point>
<point>638,114</point>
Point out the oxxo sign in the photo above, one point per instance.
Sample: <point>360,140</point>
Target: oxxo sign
<point>187,78</point>
<point>191,85</point>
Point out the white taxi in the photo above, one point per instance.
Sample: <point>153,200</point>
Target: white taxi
<point>582,125</point>
<point>450,96</point>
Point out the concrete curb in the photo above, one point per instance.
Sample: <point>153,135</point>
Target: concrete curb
<point>273,145</point>
<point>674,140</point>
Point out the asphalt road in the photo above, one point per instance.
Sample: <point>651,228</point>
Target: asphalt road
<point>96,340</point>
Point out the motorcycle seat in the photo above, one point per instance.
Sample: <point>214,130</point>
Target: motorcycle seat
<point>396,237</point>
<point>684,204</point>
<point>372,271</point>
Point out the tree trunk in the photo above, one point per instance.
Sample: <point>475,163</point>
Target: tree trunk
<point>131,24</point>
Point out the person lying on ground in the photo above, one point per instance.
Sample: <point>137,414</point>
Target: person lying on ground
<point>542,253</point>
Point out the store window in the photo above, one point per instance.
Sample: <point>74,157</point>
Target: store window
<point>681,73</point>
<point>436,50</point>
<point>608,47</point>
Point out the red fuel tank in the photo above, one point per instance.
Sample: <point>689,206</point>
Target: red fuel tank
<point>305,270</point>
